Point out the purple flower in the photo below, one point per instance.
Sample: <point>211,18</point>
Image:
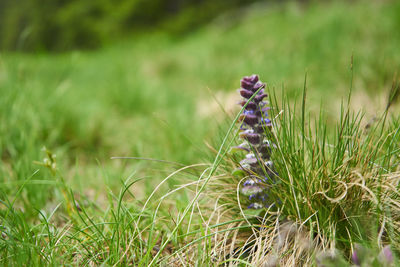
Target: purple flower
<point>251,106</point>
<point>257,86</point>
<point>355,259</point>
<point>262,113</point>
<point>246,93</point>
<point>255,206</point>
<point>249,119</point>
<point>264,150</point>
<point>246,84</point>
<point>265,121</point>
<point>251,83</point>
<point>255,125</point>
<point>252,162</point>
<point>249,190</point>
<point>260,129</point>
<point>260,97</point>
<point>249,112</point>
<point>252,138</point>
<point>249,182</point>
<point>386,254</point>
<point>251,79</point>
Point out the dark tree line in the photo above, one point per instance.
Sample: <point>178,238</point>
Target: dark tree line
<point>58,25</point>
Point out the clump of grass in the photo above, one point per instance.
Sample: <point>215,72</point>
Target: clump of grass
<point>343,186</point>
<point>336,190</point>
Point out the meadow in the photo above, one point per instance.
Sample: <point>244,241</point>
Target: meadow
<point>169,103</point>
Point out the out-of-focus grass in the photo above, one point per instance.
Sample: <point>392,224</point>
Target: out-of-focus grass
<point>143,97</point>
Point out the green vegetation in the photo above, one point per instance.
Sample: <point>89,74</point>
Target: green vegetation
<point>149,98</point>
<point>58,25</point>
<point>336,196</point>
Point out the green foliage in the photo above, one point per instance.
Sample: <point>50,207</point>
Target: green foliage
<point>147,97</point>
<point>343,184</point>
<point>336,187</point>
<point>65,25</point>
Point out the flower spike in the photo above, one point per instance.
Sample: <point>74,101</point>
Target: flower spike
<point>254,126</point>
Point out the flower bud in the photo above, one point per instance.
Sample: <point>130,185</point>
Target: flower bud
<point>246,93</point>
<point>252,138</point>
<point>265,121</point>
<point>252,162</point>
<point>258,85</point>
<point>260,97</point>
<point>246,84</point>
<point>253,78</point>
<point>249,119</point>
<point>250,105</point>
<point>262,112</point>
<point>264,150</point>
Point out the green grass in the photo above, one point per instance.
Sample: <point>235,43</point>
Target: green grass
<point>336,192</point>
<point>148,97</point>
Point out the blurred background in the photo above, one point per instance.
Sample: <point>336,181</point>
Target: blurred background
<point>59,25</point>
<point>95,79</point>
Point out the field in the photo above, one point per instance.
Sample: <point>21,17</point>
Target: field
<point>173,100</point>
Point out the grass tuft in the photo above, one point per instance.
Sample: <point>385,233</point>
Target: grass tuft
<point>337,187</point>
